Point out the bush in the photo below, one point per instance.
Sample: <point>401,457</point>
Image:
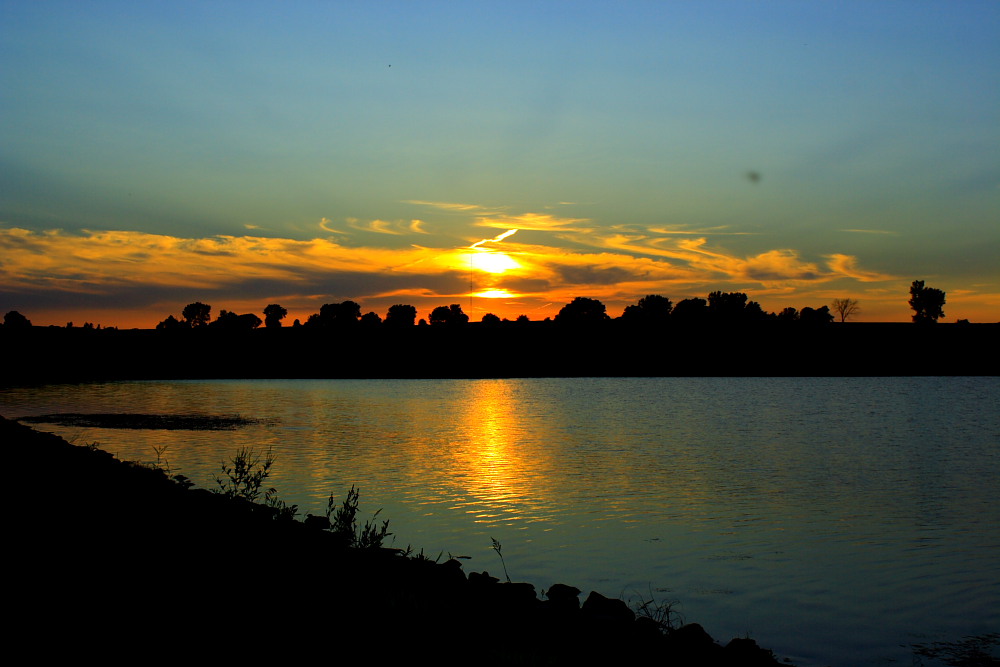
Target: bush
<point>344,523</point>
<point>244,476</point>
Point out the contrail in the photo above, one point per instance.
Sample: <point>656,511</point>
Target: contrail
<point>495,239</point>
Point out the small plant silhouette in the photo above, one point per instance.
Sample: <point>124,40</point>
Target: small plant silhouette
<point>343,522</point>
<point>497,547</point>
<point>161,460</point>
<point>661,612</point>
<point>244,476</point>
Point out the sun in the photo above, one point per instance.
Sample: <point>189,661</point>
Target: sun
<point>492,262</point>
<point>494,294</point>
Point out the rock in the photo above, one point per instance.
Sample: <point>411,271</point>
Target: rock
<point>690,644</point>
<point>609,609</point>
<point>481,578</point>
<point>563,594</point>
<point>317,522</point>
<point>746,652</point>
<point>647,627</point>
<point>517,593</point>
<point>693,635</point>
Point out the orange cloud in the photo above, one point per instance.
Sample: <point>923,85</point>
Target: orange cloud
<point>533,222</point>
<point>846,265</point>
<point>92,259</point>
<point>566,257</point>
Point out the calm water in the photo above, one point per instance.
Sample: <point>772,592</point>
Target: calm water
<point>837,520</point>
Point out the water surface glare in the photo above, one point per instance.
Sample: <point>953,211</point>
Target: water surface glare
<point>835,520</point>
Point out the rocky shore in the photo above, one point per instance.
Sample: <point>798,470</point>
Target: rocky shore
<point>116,560</point>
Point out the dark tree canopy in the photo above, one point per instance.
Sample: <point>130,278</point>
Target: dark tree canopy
<point>273,314</point>
<point>690,310</point>
<point>727,305</point>
<point>651,309</point>
<point>754,312</point>
<point>927,303</point>
<point>371,319</point>
<point>821,315</point>
<point>197,314</point>
<point>170,324</point>
<point>230,321</point>
<point>346,313</point>
<point>789,314</point>
<point>15,320</point>
<point>582,310</point>
<point>401,315</point>
<point>490,319</point>
<point>449,315</point>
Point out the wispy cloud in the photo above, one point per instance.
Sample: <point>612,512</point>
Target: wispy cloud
<point>378,260</point>
<point>327,226</point>
<point>847,266</point>
<point>702,231</point>
<point>542,222</point>
<point>376,226</point>
<point>496,239</point>
<point>445,206</point>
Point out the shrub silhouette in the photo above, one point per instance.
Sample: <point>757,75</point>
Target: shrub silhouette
<point>344,523</point>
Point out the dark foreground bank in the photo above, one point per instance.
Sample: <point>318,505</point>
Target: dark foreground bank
<point>117,561</point>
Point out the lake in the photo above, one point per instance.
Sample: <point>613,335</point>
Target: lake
<point>838,521</point>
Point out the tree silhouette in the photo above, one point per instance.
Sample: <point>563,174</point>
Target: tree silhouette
<point>926,302</point>
<point>230,321</point>
<point>273,314</point>
<point>753,312</point>
<point>789,314</point>
<point>845,308</point>
<point>582,310</point>
<point>15,320</point>
<point>170,324</point>
<point>651,309</point>
<point>401,315</point>
<point>727,306</point>
<point>449,315</point>
<point>197,314</point>
<point>371,319</point>
<point>489,319</point>
<point>344,314</point>
<point>821,315</point>
<point>690,310</point>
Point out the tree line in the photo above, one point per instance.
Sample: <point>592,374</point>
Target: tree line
<point>718,308</point>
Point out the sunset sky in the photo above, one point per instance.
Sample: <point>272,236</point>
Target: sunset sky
<point>505,156</point>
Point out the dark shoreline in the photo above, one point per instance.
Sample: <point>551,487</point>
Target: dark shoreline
<point>117,558</point>
<point>41,355</point>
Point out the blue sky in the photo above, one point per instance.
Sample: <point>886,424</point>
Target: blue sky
<point>157,153</point>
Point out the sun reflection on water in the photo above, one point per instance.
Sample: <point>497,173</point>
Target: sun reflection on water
<point>500,478</point>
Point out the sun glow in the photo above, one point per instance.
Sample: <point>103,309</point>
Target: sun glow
<point>492,262</point>
<point>495,294</point>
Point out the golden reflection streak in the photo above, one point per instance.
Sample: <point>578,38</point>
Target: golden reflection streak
<point>500,480</point>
